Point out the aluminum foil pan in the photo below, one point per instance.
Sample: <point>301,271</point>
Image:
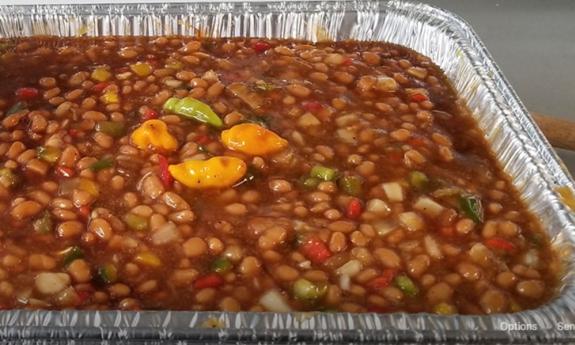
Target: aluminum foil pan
<point>518,144</point>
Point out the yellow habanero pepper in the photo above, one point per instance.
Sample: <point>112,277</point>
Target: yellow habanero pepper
<point>252,139</point>
<point>216,172</point>
<point>154,133</point>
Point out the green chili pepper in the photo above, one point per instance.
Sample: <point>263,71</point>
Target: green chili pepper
<point>72,254</point>
<point>221,265</point>
<point>264,86</point>
<point>9,178</point>
<point>49,154</point>
<point>108,274</point>
<point>405,284</point>
<point>44,224</point>
<point>351,185</point>
<point>418,180</point>
<point>16,108</point>
<point>111,128</point>
<point>472,207</point>
<point>323,173</point>
<point>305,290</point>
<point>444,309</point>
<point>102,164</point>
<point>194,109</point>
<point>136,222</point>
<point>310,182</point>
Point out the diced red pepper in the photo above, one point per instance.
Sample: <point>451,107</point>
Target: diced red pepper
<point>377,309</point>
<point>74,133</point>
<point>149,114</point>
<point>347,61</point>
<point>64,171</point>
<point>447,231</point>
<point>395,156</point>
<point>212,280</point>
<point>27,93</point>
<point>312,107</point>
<point>261,46</point>
<point>85,211</point>
<point>354,209</point>
<point>83,296</point>
<point>165,176</point>
<point>500,243</point>
<point>417,142</point>
<point>315,250</point>
<point>203,139</point>
<point>384,280</point>
<point>418,97</point>
<point>99,87</point>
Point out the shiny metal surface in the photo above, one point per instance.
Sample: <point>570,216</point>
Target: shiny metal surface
<point>450,43</point>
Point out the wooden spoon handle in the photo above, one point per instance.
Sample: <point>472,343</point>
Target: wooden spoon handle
<point>559,132</point>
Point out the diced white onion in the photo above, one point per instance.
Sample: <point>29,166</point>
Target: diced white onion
<point>384,227</point>
<point>378,207</point>
<point>49,283</point>
<point>346,136</point>
<point>393,191</point>
<point>272,300</point>
<point>165,234</point>
<point>350,268</point>
<point>411,220</point>
<point>531,258</point>
<point>432,247</point>
<point>344,282</point>
<point>428,206</point>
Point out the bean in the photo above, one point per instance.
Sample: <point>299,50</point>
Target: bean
<point>47,82</point>
<point>506,279</point>
<point>80,271</point>
<point>41,262</point>
<point>343,226</point>
<point>37,167</point>
<point>469,271</point>
<point>298,90</point>
<point>392,294</point>
<point>129,304</point>
<point>101,228</point>
<point>175,201</point>
<point>152,186</point>
<point>194,247</point>
<point>489,229</point>
<point>286,273</point>
<point>464,226</point>
<point>493,301</point>
<point>206,295</point>
<point>343,77</point>
<point>229,304</point>
<point>69,229</point>
<point>147,286</point>
<point>533,289</point>
<point>81,198</point>
<point>280,186</point>
<point>25,210</point>
<point>181,217</point>
<point>119,290</point>
<point>236,209</point>
<point>440,292</point>
<point>388,257</point>
<point>62,214</point>
<point>418,265</point>
<point>272,237</point>
<point>250,266</point>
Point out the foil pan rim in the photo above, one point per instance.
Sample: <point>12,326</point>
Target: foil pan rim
<point>362,19</point>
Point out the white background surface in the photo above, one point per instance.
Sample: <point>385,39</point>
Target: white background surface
<point>532,41</point>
